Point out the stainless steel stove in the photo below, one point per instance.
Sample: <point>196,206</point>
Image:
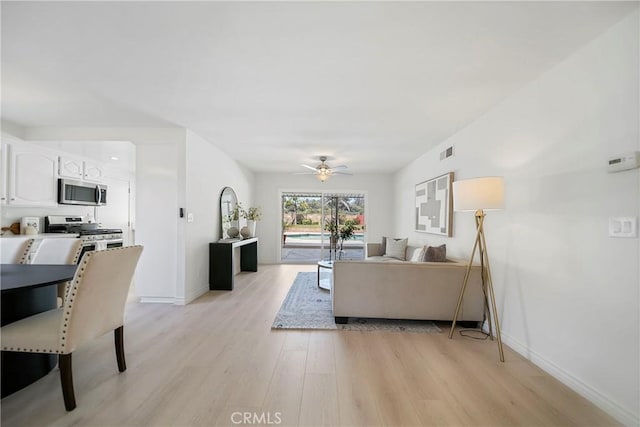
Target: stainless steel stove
<point>89,233</point>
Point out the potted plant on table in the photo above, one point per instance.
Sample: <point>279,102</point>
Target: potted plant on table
<point>340,233</point>
<point>252,215</point>
<point>233,219</point>
<point>345,232</point>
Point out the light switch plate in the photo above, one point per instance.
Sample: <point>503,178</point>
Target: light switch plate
<point>189,217</point>
<point>623,226</point>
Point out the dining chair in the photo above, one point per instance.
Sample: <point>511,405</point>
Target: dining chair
<point>95,306</point>
<point>58,250</point>
<point>15,250</point>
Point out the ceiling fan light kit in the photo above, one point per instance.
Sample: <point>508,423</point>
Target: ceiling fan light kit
<point>323,176</point>
<point>323,171</point>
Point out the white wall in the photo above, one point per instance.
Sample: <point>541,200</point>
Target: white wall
<point>12,128</point>
<point>159,276</point>
<point>378,188</point>
<point>208,171</point>
<point>567,294</point>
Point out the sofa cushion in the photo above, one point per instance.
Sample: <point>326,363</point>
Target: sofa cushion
<point>382,258</point>
<point>396,248</point>
<point>374,249</point>
<point>436,254</point>
<point>415,254</point>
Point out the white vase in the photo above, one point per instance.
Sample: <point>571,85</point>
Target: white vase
<point>251,225</point>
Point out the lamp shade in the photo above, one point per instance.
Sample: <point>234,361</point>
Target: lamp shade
<point>486,193</point>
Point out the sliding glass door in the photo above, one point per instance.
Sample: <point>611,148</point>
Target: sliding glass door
<point>307,223</point>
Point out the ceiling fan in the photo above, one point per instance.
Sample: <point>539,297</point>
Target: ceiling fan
<point>323,171</point>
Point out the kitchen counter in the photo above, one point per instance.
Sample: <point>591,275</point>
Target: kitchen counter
<point>39,236</point>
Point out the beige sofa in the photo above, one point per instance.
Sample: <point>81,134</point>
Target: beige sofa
<point>394,289</point>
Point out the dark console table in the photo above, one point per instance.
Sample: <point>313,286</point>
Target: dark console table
<point>222,261</point>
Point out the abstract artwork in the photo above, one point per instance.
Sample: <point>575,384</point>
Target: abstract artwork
<point>434,206</point>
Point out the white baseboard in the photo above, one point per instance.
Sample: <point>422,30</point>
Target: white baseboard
<point>194,295</point>
<point>594,396</point>
<point>160,300</point>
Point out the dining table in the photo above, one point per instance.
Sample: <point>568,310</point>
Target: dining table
<point>28,289</point>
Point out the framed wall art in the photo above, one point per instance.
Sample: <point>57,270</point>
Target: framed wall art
<point>434,206</point>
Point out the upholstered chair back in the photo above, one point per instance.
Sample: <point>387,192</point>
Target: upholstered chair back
<point>15,250</point>
<point>58,251</point>
<point>96,299</point>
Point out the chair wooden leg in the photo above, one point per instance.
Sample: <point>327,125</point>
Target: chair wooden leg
<point>118,335</point>
<point>66,379</point>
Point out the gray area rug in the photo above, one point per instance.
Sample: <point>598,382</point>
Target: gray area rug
<point>309,307</point>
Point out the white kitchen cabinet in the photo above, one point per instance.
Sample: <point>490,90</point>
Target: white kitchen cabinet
<point>93,172</point>
<point>70,167</point>
<point>33,176</point>
<point>4,173</point>
<point>82,170</point>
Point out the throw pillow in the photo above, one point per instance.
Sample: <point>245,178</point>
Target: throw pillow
<point>396,248</point>
<point>436,254</point>
<point>417,255</point>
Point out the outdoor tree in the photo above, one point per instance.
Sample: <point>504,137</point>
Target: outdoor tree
<point>294,205</point>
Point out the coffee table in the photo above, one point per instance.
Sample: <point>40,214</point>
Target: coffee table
<point>324,283</point>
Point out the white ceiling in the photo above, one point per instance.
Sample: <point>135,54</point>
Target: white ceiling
<point>275,84</point>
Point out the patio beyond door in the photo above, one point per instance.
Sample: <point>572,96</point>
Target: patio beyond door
<point>307,223</point>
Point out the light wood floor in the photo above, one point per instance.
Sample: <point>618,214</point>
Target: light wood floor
<point>200,364</point>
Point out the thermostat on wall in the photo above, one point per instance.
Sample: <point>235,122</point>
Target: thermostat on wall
<point>624,162</point>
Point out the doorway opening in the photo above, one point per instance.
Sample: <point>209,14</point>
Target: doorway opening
<point>307,221</point>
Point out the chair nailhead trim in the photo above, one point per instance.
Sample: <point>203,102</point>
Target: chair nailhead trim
<point>73,291</point>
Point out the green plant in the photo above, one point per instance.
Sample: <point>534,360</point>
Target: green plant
<point>342,232</point>
<point>347,230</point>
<point>253,214</point>
<point>296,207</point>
<point>237,212</point>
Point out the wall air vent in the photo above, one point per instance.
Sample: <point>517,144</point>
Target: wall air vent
<point>448,152</point>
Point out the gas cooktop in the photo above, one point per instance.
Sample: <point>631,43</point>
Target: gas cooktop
<point>75,225</point>
<point>100,231</point>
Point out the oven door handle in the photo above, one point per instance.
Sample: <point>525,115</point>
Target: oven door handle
<point>108,242</point>
<point>98,194</point>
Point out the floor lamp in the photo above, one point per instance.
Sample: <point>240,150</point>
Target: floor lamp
<point>480,194</point>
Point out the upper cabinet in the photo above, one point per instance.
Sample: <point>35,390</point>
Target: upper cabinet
<point>70,167</point>
<point>93,172</point>
<point>29,172</point>
<point>82,170</point>
<point>31,178</point>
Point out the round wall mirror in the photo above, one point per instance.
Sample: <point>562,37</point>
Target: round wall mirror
<point>228,202</point>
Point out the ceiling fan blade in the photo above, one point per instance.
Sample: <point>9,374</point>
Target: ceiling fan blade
<point>309,167</point>
<point>304,173</point>
<point>340,167</point>
<point>341,173</point>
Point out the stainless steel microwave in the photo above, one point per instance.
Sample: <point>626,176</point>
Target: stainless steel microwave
<point>72,192</point>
